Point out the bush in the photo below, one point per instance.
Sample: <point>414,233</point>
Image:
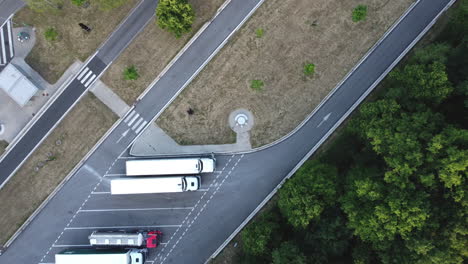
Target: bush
<point>51,34</point>
<point>257,236</point>
<point>131,73</point>
<point>309,69</point>
<point>360,13</point>
<point>257,85</point>
<point>175,16</point>
<point>259,32</point>
<point>78,2</point>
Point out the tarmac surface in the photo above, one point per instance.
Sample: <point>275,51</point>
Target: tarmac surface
<point>195,224</point>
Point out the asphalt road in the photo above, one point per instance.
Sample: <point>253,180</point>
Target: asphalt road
<point>110,50</point>
<point>8,7</point>
<point>196,224</point>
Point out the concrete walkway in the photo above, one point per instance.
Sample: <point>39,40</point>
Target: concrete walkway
<point>154,141</point>
<point>109,98</point>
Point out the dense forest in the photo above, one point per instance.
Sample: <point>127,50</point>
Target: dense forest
<point>392,186</point>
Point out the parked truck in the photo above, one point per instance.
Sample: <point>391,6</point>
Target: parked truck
<point>125,239</point>
<point>155,185</point>
<point>101,256</point>
<point>170,166</point>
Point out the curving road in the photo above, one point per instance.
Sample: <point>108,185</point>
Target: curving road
<point>196,224</point>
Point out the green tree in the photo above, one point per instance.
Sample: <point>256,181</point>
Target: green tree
<point>109,4</point>
<point>257,236</point>
<point>51,34</point>
<point>359,13</point>
<point>437,52</point>
<point>288,253</point>
<point>428,84</point>
<point>304,196</point>
<point>175,16</point>
<point>131,73</point>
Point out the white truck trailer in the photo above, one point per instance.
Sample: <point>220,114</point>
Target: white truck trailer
<point>173,166</point>
<point>150,239</point>
<point>155,185</point>
<point>100,256</point>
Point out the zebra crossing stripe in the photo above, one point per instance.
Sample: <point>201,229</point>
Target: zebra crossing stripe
<point>10,38</point>
<point>82,73</point>
<point>2,39</point>
<point>133,119</point>
<point>90,80</point>
<point>141,127</point>
<point>129,116</point>
<point>137,123</point>
<point>86,77</point>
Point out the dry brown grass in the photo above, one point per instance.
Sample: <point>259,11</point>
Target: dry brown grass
<point>3,146</point>
<point>51,59</point>
<point>291,40</point>
<point>26,190</point>
<point>151,51</point>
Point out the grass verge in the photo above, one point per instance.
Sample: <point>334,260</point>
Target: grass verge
<point>151,51</point>
<point>51,162</point>
<point>295,33</point>
<point>51,58</point>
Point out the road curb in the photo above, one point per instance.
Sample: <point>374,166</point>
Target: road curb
<point>332,129</point>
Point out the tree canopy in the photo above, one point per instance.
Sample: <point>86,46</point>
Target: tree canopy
<point>175,16</point>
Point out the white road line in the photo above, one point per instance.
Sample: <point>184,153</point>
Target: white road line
<point>100,192</point>
<point>82,73</point>
<point>133,119</point>
<point>2,39</point>
<point>141,127</point>
<point>10,38</point>
<point>71,246</point>
<point>115,175</point>
<point>137,123</point>
<point>117,227</point>
<point>202,190</point>
<point>90,80</point>
<point>134,209</point>
<point>86,77</point>
<point>129,116</point>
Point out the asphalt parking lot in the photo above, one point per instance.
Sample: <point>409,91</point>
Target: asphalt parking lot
<point>170,212</point>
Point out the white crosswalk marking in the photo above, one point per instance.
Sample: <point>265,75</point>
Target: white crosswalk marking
<point>86,77</point>
<point>129,116</point>
<point>141,127</point>
<point>137,123</point>
<point>10,38</point>
<point>90,80</point>
<point>133,119</point>
<point>82,73</point>
<point>3,60</point>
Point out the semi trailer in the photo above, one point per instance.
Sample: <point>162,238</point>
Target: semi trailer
<point>125,239</point>
<point>101,256</point>
<point>172,166</point>
<point>155,185</point>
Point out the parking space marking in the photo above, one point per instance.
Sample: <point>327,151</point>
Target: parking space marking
<point>186,220</point>
<point>135,209</point>
<point>115,175</point>
<point>100,192</point>
<point>62,246</point>
<point>117,227</point>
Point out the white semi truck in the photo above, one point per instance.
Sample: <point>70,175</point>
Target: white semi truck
<point>172,166</point>
<point>149,239</point>
<point>101,256</point>
<point>155,185</point>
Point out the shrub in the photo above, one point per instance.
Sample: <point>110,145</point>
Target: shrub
<point>131,73</point>
<point>175,16</point>
<point>78,2</point>
<point>259,32</point>
<point>360,13</point>
<point>257,85</point>
<point>309,69</point>
<point>51,34</point>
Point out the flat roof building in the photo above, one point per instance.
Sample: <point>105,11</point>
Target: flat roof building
<point>17,85</point>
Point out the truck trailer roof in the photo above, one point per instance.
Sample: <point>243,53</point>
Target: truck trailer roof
<point>92,256</point>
